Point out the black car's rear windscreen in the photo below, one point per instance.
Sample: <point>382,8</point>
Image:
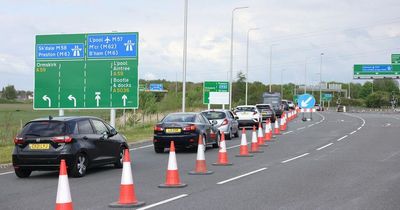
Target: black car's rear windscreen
<point>45,129</point>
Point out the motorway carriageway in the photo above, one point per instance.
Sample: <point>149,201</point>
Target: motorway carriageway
<point>337,160</point>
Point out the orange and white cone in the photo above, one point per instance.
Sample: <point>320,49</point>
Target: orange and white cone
<point>244,150</point>
<point>172,178</point>
<point>260,137</point>
<point>222,154</point>
<point>127,195</point>
<point>201,166</point>
<point>63,201</point>
<point>254,142</point>
<point>267,133</point>
<point>285,122</point>
<point>282,124</point>
<point>276,129</point>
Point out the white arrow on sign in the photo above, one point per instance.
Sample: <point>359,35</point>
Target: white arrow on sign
<point>97,98</point>
<point>70,97</point>
<point>305,103</point>
<point>124,99</point>
<point>46,98</point>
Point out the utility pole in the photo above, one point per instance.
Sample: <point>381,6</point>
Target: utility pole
<point>185,17</point>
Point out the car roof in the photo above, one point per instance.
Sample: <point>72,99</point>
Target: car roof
<point>215,110</point>
<point>64,118</point>
<point>183,113</point>
<point>246,106</point>
<point>263,104</point>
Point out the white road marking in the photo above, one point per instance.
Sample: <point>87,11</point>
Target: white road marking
<point>325,146</point>
<point>9,172</point>
<point>287,132</point>
<point>163,202</point>
<point>359,128</point>
<point>234,146</point>
<point>305,154</point>
<point>392,155</point>
<point>311,125</point>
<point>301,128</point>
<point>141,147</point>
<point>352,132</point>
<point>340,139</point>
<point>243,175</point>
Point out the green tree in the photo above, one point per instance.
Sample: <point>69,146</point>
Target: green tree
<point>386,85</point>
<point>378,99</point>
<point>366,90</point>
<point>9,92</point>
<point>239,89</point>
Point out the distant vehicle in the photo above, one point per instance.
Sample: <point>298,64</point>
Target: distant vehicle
<point>266,112</point>
<point>341,108</point>
<point>275,100</point>
<point>184,129</point>
<point>248,115</point>
<point>291,105</point>
<point>82,141</point>
<point>225,121</point>
<point>285,105</point>
<point>319,107</point>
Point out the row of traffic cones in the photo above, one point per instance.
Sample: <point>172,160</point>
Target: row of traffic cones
<point>127,197</point>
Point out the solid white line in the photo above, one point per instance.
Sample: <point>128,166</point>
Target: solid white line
<point>311,125</point>
<point>325,146</point>
<point>301,128</point>
<point>234,146</point>
<point>9,172</point>
<point>295,158</point>
<point>141,147</point>
<point>164,201</point>
<point>243,175</point>
<point>342,138</point>
<point>352,132</point>
<point>359,128</point>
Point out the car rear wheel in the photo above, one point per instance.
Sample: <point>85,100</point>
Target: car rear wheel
<point>119,162</point>
<point>158,149</point>
<point>79,166</point>
<point>22,172</point>
<point>229,135</point>
<point>216,143</point>
<point>237,133</point>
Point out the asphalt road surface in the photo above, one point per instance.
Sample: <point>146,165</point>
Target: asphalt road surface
<point>335,161</point>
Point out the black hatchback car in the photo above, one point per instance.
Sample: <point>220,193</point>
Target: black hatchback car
<point>184,129</point>
<point>82,141</point>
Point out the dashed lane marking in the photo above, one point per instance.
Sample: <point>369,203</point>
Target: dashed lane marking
<point>163,202</point>
<point>300,156</point>
<point>325,146</point>
<point>241,176</point>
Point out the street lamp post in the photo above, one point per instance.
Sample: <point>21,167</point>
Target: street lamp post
<point>231,63</point>
<point>320,80</point>
<point>270,66</point>
<point>184,55</point>
<point>247,61</point>
<point>283,70</point>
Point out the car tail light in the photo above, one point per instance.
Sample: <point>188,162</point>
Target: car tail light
<point>189,128</point>
<point>225,122</point>
<point>18,140</point>
<point>158,128</point>
<point>62,139</point>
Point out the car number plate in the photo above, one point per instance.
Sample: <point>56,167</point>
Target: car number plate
<point>39,146</point>
<point>172,130</point>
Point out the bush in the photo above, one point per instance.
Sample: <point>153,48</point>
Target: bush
<point>378,99</point>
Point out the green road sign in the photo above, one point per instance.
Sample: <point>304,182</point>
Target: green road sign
<point>295,98</point>
<point>369,71</point>
<point>327,97</point>
<point>142,87</point>
<point>86,71</point>
<point>395,58</point>
<point>218,88</point>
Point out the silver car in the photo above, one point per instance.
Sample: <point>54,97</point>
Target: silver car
<point>224,120</point>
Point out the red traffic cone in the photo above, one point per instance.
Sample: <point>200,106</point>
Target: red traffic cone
<point>267,133</point>
<point>201,166</point>
<point>244,150</point>
<point>222,154</point>
<point>172,178</point>
<point>63,201</point>
<point>276,129</point>
<point>127,196</point>
<point>260,137</point>
<point>254,143</point>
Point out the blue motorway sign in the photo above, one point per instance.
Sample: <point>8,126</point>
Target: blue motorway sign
<point>377,68</point>
<point>60,51</point>
<point>156,87</point>
<point>306,101</point>
<point>112,45</point>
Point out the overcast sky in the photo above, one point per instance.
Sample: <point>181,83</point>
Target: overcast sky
<point>346,31</point>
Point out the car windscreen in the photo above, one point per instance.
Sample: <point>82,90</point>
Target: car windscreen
<point>44,129</point>
<point>212,115</point>
<point>180,118</point>
<point>245,109</point>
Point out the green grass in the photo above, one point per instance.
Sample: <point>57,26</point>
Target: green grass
<point>5,154</point>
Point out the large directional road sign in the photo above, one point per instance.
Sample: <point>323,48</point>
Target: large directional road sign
<point>369,71</point>
<point>306,101</point>
<point>395,58</point>
<point>86,71</point>
<point>327,97</point>
<point>218,90</point>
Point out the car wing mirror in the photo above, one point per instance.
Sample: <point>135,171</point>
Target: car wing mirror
<point>113,132</point>
<point>104,135</point>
